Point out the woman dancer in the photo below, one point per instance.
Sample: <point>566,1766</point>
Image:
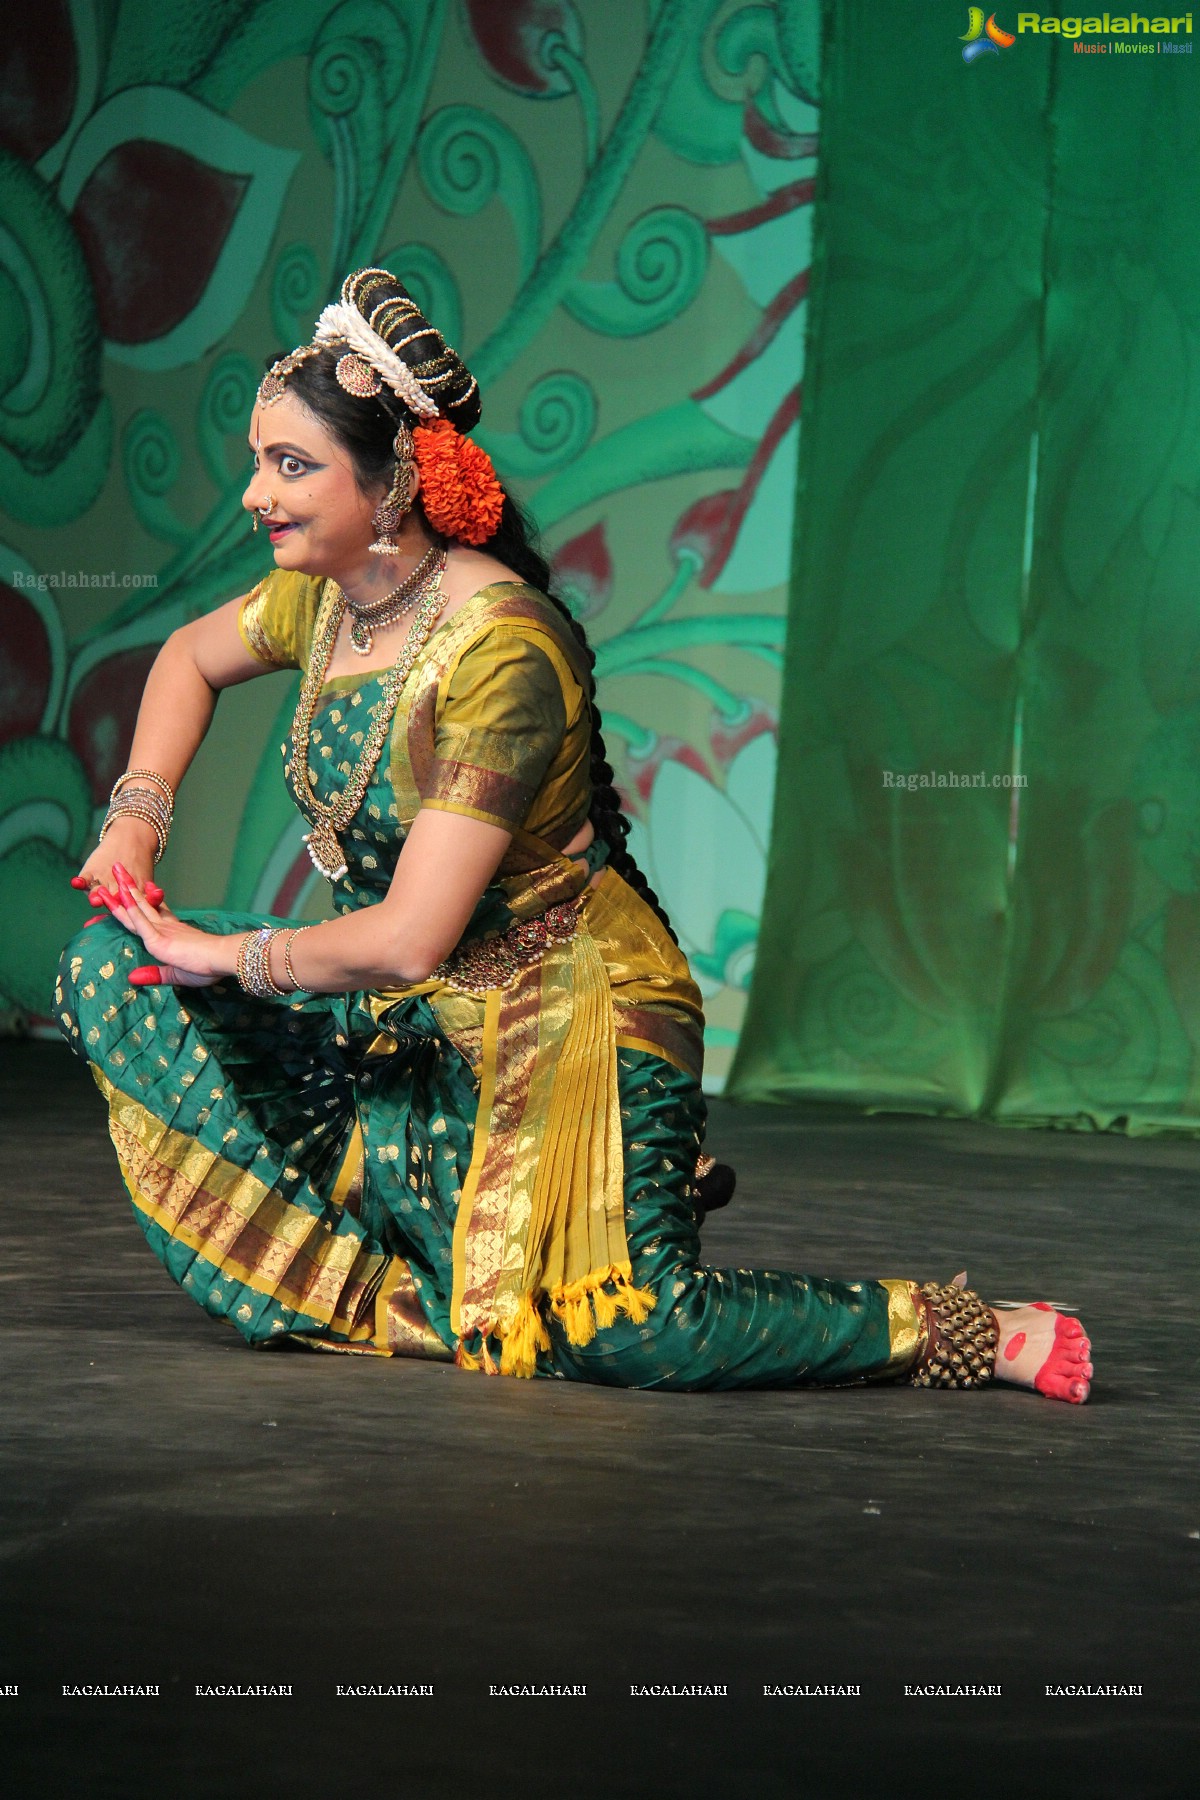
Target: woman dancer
<point>463,1118</point>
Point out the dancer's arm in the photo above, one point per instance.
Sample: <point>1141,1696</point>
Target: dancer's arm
<point>176,709</point>
<point>445,865</point>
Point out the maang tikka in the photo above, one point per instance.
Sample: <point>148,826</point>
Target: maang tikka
<point>388,516</point>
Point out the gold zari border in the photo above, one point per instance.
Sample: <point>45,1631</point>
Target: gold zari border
<point>905,1332</point>
<point>541,1221</point>
<point>235,1221</point>
<point>253,634</point>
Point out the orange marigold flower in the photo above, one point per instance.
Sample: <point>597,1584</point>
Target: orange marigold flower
<point>460,490</point>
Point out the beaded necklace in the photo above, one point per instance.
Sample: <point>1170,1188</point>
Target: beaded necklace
<point>367,619</point>
<point>328,820</point>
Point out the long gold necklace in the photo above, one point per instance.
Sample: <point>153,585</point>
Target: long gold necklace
<point>328,820</point>
<point>365,620</point>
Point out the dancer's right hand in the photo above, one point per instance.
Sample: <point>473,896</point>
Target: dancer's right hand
<point>128,841</point>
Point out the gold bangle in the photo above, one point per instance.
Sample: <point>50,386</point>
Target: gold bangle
<point>145,800</point>
<point>243,971</point>
<point>132,809</point>
<point>273,986</point>
<point>254,963</point>
<point>145,775</point>
<point>297,986</point>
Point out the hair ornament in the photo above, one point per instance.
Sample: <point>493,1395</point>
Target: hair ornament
<point>273,385</point>
<point>342,323</point>
<point>460,491</point>
<point>357,376</point>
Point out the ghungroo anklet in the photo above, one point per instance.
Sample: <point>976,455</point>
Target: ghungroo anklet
<point>960,1338</point>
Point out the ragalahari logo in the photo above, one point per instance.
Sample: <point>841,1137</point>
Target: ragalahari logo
<point>984,39</point>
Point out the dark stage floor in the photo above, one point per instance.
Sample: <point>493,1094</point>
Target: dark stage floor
<point>180,1510</point>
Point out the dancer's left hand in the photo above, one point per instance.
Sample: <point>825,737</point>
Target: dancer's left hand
<point>185,955</point>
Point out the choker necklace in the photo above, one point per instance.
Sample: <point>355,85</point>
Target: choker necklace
<point>365,620</point>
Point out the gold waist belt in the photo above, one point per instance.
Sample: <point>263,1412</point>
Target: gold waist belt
<point>493,962</point>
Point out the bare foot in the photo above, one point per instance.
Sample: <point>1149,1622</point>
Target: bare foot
<point>1044,1349</point>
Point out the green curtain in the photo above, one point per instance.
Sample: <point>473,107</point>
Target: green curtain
<point>983,889</point>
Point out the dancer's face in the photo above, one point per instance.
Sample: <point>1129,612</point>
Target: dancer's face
<point>320,521</point>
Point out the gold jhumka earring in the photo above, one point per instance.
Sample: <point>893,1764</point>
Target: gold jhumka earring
<point>386,520</point>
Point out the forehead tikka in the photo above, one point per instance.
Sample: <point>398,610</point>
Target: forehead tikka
<point>273,385</point>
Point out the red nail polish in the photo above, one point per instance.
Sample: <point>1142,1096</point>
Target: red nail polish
<point>79,881</point>
<point>94,920</point>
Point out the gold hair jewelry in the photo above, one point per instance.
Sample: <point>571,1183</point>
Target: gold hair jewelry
<point>343,323</point>
<point>365,620</point>
<point>273,386</point>
<point>328,820</point>
<point>357,377</point>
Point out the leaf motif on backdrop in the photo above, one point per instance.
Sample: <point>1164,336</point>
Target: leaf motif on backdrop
<point>103,712</point>
<point>714,906</point>
<point>583,568</point>
<point>522,42</point>
<point>146,159</point>
<point>51,354</point>
<point>39,78</point>
<point>26,665</point>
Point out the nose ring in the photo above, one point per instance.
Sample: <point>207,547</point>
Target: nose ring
<point>260,512</point>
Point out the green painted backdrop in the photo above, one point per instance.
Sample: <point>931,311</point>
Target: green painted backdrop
<point>997,570</point>
<point>605,204</point>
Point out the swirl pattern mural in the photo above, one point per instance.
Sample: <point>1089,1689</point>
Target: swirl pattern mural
<point>605,207</point>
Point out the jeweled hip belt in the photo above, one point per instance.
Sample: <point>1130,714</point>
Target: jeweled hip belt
<point>494,961</point>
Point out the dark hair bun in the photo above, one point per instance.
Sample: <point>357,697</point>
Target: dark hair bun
<point>390,310</point>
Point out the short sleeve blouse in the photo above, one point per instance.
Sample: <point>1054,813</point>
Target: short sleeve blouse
<point>276,618</point>
<point>510,710</point>
<point>510,722</point>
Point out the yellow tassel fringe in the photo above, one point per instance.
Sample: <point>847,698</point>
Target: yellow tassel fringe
<point>582,1308</point>
<point>524,1336</point>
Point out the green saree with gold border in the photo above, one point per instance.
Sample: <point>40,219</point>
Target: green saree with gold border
<point>496,1165</point>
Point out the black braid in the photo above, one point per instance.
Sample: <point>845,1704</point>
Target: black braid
<point>513,544</point>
